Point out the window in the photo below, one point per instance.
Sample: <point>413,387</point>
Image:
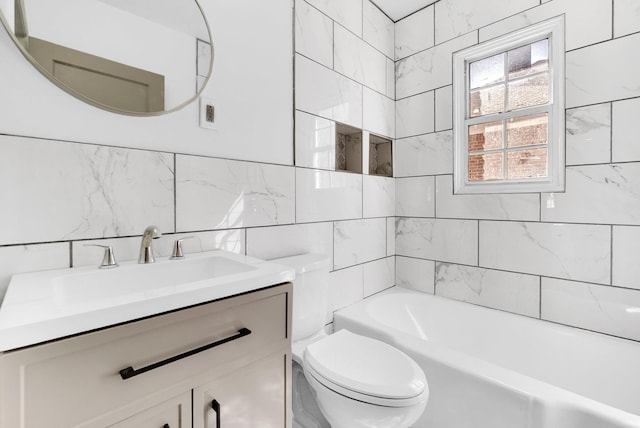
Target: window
<point>509,112</point>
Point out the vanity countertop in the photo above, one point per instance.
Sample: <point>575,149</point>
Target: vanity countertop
<point>48,305</point>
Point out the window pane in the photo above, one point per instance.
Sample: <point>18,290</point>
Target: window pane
<point>530,163</point>
<point>529,59</point>
<point>485,136</point>
<point>527,130</point>
<point>529,92</point>
<point>486,101</point>
<point>485,167</point>
<point>486,72</point>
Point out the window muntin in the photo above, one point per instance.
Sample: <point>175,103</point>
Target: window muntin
<point>508,104</point>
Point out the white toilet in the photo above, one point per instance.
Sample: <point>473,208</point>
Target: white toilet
<point>356,381</point>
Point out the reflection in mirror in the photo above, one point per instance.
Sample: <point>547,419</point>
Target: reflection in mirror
<point>139,57</point>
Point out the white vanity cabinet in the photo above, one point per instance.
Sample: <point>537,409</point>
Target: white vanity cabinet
<point>162,371</point>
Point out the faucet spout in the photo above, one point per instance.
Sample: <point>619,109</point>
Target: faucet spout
<point>146,249</point>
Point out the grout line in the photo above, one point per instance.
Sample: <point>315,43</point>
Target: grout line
<point>540,297</point>
<point>175,193</point>
<point>521,273</point>
<point>611,258</point>
<point>611,132</point>
<point>613,22</point>
<point>344,75</point>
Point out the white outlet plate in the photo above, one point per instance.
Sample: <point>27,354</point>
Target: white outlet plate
<point>204,123</point>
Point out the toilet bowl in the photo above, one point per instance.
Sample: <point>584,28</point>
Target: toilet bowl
<point>356,381</point>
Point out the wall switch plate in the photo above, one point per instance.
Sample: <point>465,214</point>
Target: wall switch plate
<point>208,113</point>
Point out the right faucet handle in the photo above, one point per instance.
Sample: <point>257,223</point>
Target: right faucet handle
<point>108,260</point>
<point>177,248</point>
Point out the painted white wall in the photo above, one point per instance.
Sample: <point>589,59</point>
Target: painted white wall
<point>251,86</point>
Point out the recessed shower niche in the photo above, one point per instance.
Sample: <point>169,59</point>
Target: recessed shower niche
<point>348,148</point>
<point>380,156</point>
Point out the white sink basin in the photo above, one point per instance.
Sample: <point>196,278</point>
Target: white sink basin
<point>162,277</point>
<point>47,305</point>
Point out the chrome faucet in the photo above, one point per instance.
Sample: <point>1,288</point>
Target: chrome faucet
<point>146,250</point>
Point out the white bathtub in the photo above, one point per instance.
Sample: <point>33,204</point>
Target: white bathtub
<point>491,369</point>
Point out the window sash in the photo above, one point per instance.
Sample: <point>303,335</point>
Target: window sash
<point>553,30</point>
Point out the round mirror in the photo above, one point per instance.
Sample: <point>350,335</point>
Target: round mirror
<point>136,57</point>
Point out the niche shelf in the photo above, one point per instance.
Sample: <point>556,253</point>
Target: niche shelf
<point>348,148</point>
<point>380,156</point>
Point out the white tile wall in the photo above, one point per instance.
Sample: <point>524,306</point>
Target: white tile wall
<point>313,33</point>
<point>626,17</point>
<point>513,292</point>
<point>379,113</point>
<point>414,33</point>
<point>222,194</point>
<point>346,286</point>
<point>594,307</point>
<point>491,207</point>
<point>587,233</point>
<point>456,17</point>
<point>454,241</point>
<point>586,68</point>
<point>315,141</point>
<point>626,130</point>
<point>415,115</point>
<point>378,275</point>
<point>359,241</point>
<point>379,196</point>
<point>511,253</point>
<point>430,69</point>
<point>377,29</point>
<point>346,12</point>
<point>444,108</point>
<point>416,274</point>
<point>391,79</point>
<point>583,25</point>
<point>571,251</point>
<point>604,194</point>
<point>325,195</point>
<point>427,154</point>
<point>588,137</point>
<point>626,247</point>
<point>358,60</point>
<point>30,258</point>
<point>415,197</point>
<point>283,241</point>
<point>391,236</point>
<point>323,92</point>
<point>96,185</point>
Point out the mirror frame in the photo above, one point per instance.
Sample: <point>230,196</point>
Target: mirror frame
<point>95,103</point>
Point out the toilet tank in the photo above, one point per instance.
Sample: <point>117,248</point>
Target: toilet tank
<point>309,293</point>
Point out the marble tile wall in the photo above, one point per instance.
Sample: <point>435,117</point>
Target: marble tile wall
<point>64,195</point>
<point>569,257</point>
<point>566,257</point>
<point>356,87</point>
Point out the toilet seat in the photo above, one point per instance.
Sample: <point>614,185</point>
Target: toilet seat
<point>366,370</point>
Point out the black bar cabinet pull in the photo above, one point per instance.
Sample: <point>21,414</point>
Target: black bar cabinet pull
<point>130,372</point>
<point>216,408</point>
<point>166,426</point>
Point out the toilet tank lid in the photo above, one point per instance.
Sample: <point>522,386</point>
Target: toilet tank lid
<point>304,262</point>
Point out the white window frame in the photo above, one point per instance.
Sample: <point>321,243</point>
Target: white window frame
<point>553,30</point>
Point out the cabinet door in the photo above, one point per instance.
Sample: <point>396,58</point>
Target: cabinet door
<point>254,396</point>
<point>174,413</point>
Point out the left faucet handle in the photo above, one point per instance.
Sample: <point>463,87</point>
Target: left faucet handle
<point>108,260</point>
